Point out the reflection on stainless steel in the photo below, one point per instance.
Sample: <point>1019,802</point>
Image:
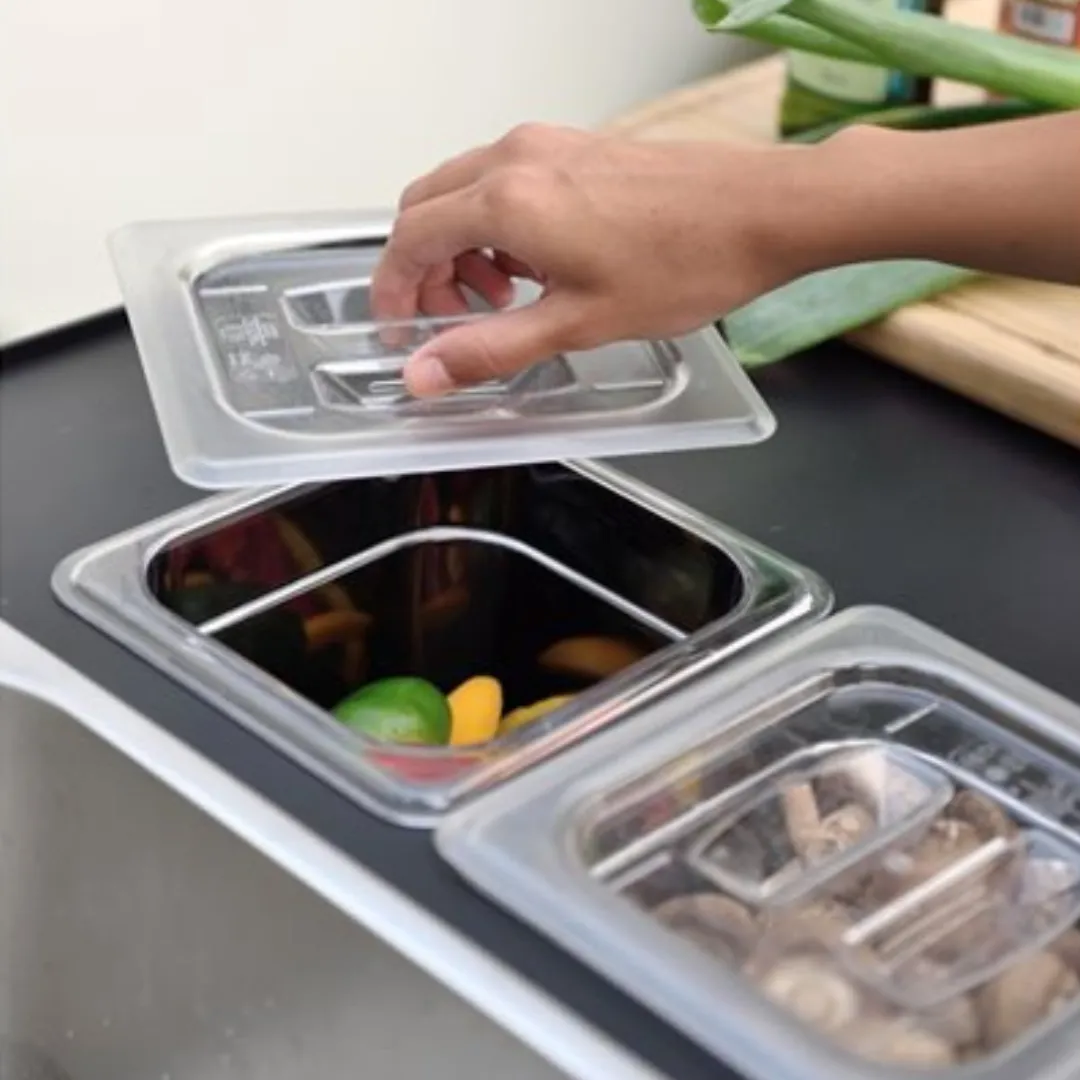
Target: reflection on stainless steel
<point>436,536</point>
<point>278,606</point>
<point>142,939</point>
<point>24,1061</point>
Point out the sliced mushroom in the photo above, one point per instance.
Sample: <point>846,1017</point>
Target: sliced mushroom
<point>815,837</point>
<point>957,1021</point>
<point>801,817</point>
<point>1032,989</point>
<point>810,988</point>
<point>719,925</point>
<point>984,815</point>
<point>945,842</point>
<point>897,1042</point>
<point>874,779</point>
<point>1049,889</point>
<point>794,967</point>
<point>821,922</point>
<point>787,875</point>
<point>838,831</point>
<point>1067,947</point>
<point>863,777</point>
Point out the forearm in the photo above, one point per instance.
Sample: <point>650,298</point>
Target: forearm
<point>1003,198</point>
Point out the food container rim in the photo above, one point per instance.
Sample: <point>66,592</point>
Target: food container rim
<point>105,583</point>
<point>518,845</point>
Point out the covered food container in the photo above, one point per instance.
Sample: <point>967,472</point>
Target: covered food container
<point>845,848</point>
<point>429,601</point>
<point>853,853</point>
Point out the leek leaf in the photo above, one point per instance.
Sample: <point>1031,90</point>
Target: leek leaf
<point>746,12</point>
<point>913,42</point>
<point>783,32</point>
<point>826,304</point>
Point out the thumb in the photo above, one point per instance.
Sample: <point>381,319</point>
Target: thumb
<point>492,347</point>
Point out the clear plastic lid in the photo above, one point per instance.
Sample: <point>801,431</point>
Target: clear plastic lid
<point>266,366</point>
<point>806,818</point>
<point>854,854</point>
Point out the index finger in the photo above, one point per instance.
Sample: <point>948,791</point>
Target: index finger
<point>459,172</point>
<point>429,234</point>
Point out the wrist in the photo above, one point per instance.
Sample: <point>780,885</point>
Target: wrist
<point>855,198</point>
<point>796,209</point>
<point>999,198</point>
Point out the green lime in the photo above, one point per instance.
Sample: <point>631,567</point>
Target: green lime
<point>398,710</point>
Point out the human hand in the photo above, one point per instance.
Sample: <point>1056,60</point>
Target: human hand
<point>626,239</point>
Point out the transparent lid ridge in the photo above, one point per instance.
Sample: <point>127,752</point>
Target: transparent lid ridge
<point>267,366</point>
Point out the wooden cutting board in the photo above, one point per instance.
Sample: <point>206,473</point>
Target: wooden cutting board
<point>1009,344</point>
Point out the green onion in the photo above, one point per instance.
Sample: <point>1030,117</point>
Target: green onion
<point>926,118</point>
<point>912,42</point>
<point>928,45</point>
<point>784,32</point>
<point>788,33</point>
<point>821,306</point>
<point>829,303</point>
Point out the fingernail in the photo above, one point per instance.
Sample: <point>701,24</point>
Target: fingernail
<point>427,376</point>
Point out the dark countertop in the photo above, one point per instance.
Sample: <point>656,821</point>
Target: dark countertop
<point>897,492</point>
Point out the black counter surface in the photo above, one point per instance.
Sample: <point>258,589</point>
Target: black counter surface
<point>897,492</point>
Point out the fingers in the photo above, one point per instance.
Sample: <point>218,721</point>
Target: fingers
<point>525,143</point>
<point>485,278</point>
<point>426,237</point>
<point>441,293</point>
<point>512,267</point>
<point>446,217</point>
<point>492,347</point>
<point>459,172</point>
<point>441,296</point>
<point>397,295</point>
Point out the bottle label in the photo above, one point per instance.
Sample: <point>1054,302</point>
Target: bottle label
<point>842,80</point>
<point>1056,23</point>
<point>845,80</point>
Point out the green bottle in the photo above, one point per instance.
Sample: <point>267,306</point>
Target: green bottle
<point>820,90</point>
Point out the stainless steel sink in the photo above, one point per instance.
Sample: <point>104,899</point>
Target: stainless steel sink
<point>158,921</point>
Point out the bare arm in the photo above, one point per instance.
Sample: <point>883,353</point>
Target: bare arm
<point>1003,198</point>
<point>633,239</point>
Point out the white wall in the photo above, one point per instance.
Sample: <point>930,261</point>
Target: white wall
<point>115,110</point>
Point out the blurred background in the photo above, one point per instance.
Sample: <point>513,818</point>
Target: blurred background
<point>119,110</point>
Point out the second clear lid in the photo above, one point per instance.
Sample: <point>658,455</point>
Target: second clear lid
<point>853,854</point>
<point>266,366</point>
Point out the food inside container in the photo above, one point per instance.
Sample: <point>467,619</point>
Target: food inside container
<point>903,913</point>
<point>855,853</point>
<point>812,814</point>
<point>460,635</point>
<point>416,638</point>
<point>449,610</point>
<point>936,952</point>
<point>939,916</point>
